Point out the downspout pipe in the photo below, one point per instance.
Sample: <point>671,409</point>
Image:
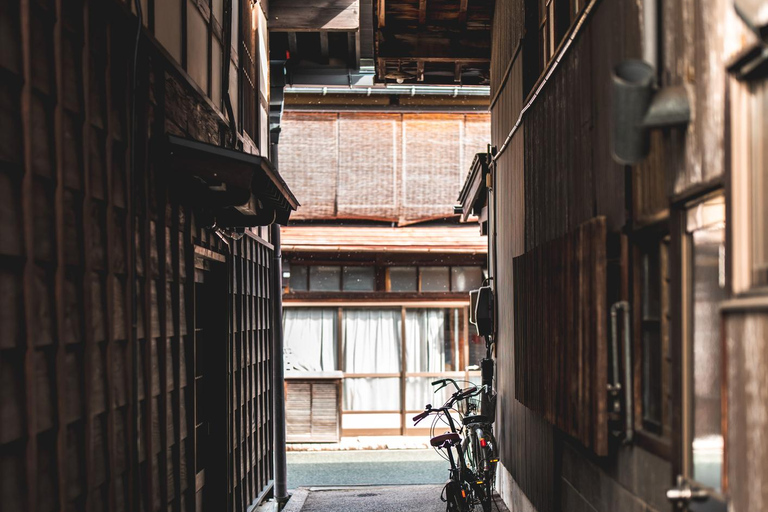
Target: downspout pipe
<point>278,369</point>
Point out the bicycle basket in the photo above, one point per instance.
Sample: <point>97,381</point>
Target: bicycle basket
<point>469,406</point>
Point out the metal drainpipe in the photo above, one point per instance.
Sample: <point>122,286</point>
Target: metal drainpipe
<point>278,370</point>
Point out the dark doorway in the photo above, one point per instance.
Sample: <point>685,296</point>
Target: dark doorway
<point>210,374</point>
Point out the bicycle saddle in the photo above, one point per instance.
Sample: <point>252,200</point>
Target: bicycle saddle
<point>450,439</point>
<point>477,418</point>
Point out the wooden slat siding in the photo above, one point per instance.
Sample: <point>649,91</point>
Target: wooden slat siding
<point>649,184</point>
<point>30,316</point>
<point>551,282</point>
<point>61,268</point>
<point>378,161</point>
<point>746,343</point>
<point>693,43</point>
<point>312,411</point>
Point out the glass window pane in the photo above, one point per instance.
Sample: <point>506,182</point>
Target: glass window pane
<point>359,279</point>
<point>310,339</point>
<point>402,279</point>
<point>372,394</point>
<point>428,340</point>
<point>466,278</point>
<point>708,291</point>
<point>298,278</point>
<point>324,279</point>
<point>435,279</point>
<point>654,334</point>
<point>419,392</point>
<point>371,340</point>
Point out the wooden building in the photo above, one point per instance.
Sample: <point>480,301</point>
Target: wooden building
<point>632,327</point>
<point>136,260</point>
<point>377,300</point>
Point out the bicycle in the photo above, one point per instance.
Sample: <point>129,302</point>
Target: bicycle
<point>479,444</point>
<point>458,492</point>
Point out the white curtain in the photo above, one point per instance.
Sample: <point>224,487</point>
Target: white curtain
<point>310,339</point>
<point>371,339</point>
<point>425,338</point>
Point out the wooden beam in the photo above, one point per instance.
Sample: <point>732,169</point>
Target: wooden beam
<point>463,14</point>
<point>353,49</point>
<point>457,72</point>
<point>422,12</point>
<point>382,13</point>
<point>314,15</point>
<point>324,47</point>
<point>430,45</point>
<point>293,47</point>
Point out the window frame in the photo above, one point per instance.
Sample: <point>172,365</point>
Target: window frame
<point>657,439</point>
<point>746,162</point>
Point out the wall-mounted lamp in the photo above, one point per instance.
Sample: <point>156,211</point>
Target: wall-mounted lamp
<point>639,107</point>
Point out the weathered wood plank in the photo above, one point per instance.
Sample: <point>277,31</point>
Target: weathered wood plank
<point>314,15</point>
<point>563,284</point>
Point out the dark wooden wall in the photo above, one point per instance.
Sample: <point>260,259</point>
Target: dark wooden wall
<point>73,433</point>
<point>555,174</point>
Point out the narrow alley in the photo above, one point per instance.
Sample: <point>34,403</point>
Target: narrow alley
<point>384,255</point>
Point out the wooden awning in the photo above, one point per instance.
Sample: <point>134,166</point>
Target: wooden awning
<point>442,239</point>
<point>241,189</point>
<point>473,196</point>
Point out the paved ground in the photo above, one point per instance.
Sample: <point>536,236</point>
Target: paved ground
<point>407,498</point>
<point>365,467</point>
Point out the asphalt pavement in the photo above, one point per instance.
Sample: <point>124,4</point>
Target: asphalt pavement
<point>365,467</point>
<point>402,498</point>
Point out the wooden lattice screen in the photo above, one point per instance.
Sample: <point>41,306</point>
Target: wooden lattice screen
<point>251,400</point>
<point>561,352</point>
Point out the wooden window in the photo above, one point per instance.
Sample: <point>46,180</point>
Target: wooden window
<point>652,331</point>
<point>402,279</point>
<point>358,279</point>
<point>249,70</point>
<point>299,278</point>
<point>750,185</point>
<point>434,279</point>
<point>466,278</point>
<point>325,278</point>
<point>193,36</point>
<point>706,288</point>
<point>550,21</point>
